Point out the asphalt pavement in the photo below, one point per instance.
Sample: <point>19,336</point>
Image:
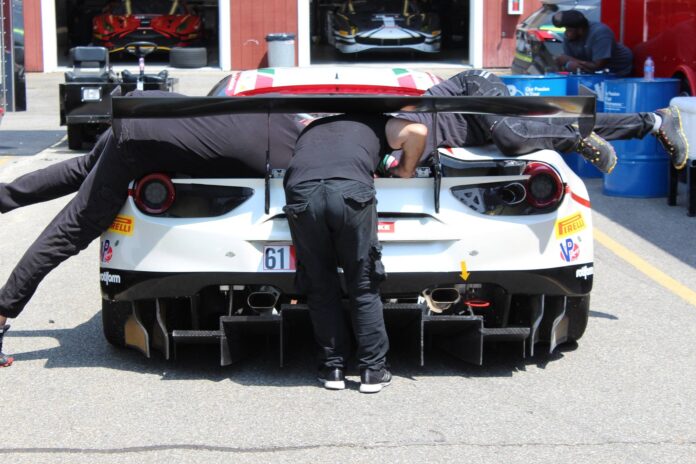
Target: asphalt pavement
<point>624,394</point>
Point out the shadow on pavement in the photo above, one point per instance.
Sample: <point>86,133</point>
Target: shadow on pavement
<point>84,346</point>
<point>666,227</point>
<point>27,143</point>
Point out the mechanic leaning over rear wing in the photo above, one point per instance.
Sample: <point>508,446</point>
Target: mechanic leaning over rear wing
<point>518,136</point>
<point>332,213</point>
<point>203,146</point>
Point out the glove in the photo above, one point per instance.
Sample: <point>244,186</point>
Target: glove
<point>387,163</point>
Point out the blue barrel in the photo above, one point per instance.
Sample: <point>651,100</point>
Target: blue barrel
<point>551,85</point>
<point>594,82</point>
<point>643,167</point>
<point>581,166</point>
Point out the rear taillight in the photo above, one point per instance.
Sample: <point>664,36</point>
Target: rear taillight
<point>544,186</point>
<point>540,192</point>
<point>541,35</point>
<point>154,193</point>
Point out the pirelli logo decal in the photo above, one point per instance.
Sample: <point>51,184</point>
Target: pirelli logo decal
<point>570,225</point>
<point>123,225</point>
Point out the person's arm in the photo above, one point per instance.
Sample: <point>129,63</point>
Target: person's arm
<point>601,44</point>
<point>410,137</point>
<point>573,64</point>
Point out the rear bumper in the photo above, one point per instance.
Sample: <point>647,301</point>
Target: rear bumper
<point>132,285</point>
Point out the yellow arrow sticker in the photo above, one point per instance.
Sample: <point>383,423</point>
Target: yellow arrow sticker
<point>464,275</point>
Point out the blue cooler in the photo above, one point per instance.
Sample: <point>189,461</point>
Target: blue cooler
<point>550,85</point>
<point>643,167</point>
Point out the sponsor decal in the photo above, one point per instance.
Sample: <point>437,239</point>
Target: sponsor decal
<point>584,272</point>
<point>123,225</point>
<point>570,225</point>
<point>106,252</point>
<point>569,250</point>
<point>386,227</point>
<point>109,278</point>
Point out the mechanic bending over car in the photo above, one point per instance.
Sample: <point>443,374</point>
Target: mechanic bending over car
<point>590,46</point>
<point>130,149</point>
<point>332,214</point>
<point>518,136</point>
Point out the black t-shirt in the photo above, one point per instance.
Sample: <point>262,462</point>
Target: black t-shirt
<point>233,144</point>
<point>345,146</point>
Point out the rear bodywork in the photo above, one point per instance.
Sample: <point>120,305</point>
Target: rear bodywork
<point>471,255</point>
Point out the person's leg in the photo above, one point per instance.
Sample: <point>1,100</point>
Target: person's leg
<point>353,221</point>
<point>623,126</point>
<point>316,274</point>
<point>52,182</point>
<point>5,360</point>
<point>93,209</point>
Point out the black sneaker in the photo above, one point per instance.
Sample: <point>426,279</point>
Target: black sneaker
<point>597,151</point>
<point>372,381</point>
<point>671,136</point>
<point>5,360</point>
<point>332,378</point>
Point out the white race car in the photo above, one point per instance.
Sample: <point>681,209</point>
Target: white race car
<point>477,246</point>
<point>391,25</point>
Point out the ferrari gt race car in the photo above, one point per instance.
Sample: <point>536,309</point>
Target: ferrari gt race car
<point>477,246</point>
<point>167,23</point>
<point>359,26</point>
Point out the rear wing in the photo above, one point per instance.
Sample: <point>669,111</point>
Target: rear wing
<point>581,109</point>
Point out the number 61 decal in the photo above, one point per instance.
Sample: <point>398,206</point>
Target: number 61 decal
<point>279,258</point>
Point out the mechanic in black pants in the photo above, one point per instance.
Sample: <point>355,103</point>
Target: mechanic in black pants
<point>519,136</point>
<point>332,213</point>
<point>204,146</point>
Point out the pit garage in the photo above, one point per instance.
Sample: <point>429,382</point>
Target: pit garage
<point>446,23</point>
<point>189,27</point>
<point>389,30</point>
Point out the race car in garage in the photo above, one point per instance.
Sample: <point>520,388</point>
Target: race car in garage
<point>478,247</point>
<point>391,25</point>
<point>167,23</point>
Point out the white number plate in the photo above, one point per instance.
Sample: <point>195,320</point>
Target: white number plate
<point>279,258</point>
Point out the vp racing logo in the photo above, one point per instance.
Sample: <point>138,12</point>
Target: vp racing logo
<point>570,250</point>
<point>109,278</point>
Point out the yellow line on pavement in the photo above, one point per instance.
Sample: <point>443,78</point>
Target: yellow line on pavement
<point>646,268</point>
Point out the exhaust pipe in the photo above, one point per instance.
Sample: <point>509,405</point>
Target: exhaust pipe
<point>441,299</point>
<point>262,303</point>
<point>513,193</point>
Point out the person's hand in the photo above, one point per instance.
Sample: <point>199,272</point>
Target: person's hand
<point>571,66</point>
<point>561,60</point>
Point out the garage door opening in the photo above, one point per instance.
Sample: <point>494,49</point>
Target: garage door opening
<point>364,31</point>
<point>189,26</point>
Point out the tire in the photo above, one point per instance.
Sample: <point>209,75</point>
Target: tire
<point>75,136</point>
<point>188,57</point>
<point>578,312</point>
<point>114,317</point>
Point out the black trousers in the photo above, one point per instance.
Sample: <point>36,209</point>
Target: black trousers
<point>519,136</point>
<point>333,223</point>
<point>100,196</point>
